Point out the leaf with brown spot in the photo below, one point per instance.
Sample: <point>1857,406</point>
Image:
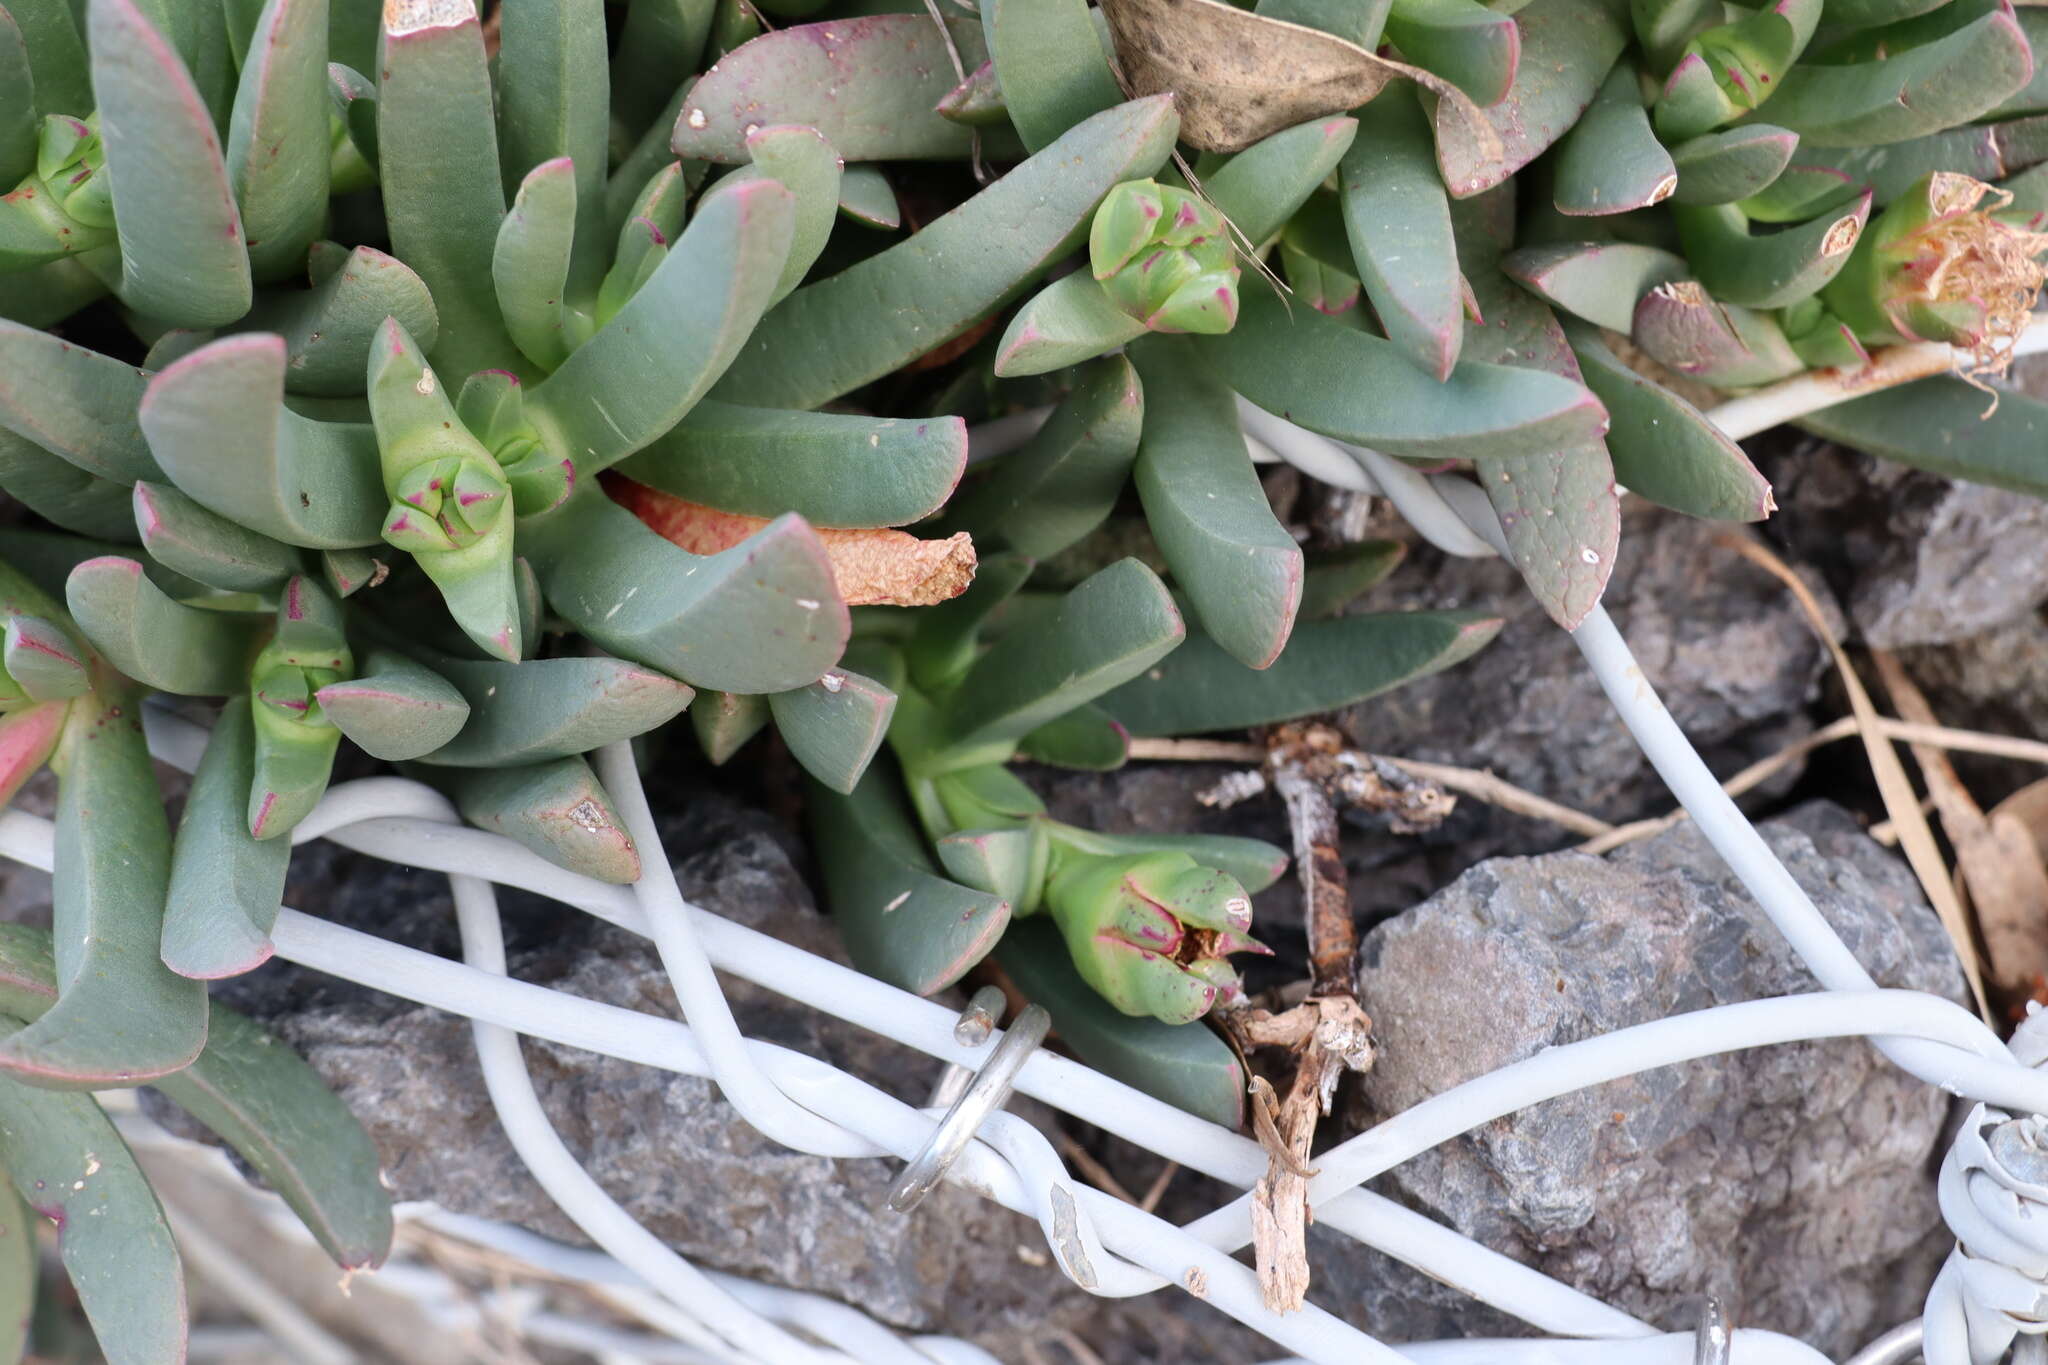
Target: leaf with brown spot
<point>871,567</point>
<point>1237,77</point>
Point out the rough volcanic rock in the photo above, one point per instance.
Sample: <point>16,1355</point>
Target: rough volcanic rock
<point>1918,559</point>
<point>1796,1181</point>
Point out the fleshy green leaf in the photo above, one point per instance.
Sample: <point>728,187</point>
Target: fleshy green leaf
<point>1084,738</point>
<point>1664,27</point>
<point>42,659</point>
<point>1767,270</point>
<point>1720,168</point>
<point>1067,478</point>
<point>1326,665</point>
<point>835,726</point>
<point>646,368</point>
<point>1398,220</point>
<point>1355,21</point>
<point>553,97</point>
<point>28,738</point>
<point>1909,92</point>
<point>839,333</point>
<point>159,642</point>
<point>1610,162</point>
<point>1558,509</point>
<point>1475,48</point>
<point>1050,63</point>
<point>19,123</point>
<point>1985,152</point>
<point>184,536</point>
<point>1599,281</point>
<point>557,809</point>
<point>552,708</point>
<point>329,328</point>
<point>71,1166</point>
<point>870,85</point>
<point>396,708</point>
<point>945,638</point>
<point>1567,48</point>
<point>1065,323</point>
<point>530,262</point>
<point>259,1096</point>
<point>182,249</point>
<point>19,1263</point>
<point>660,40</point>
<point>295,742</point>
<point>48,293</point>
<point>450,502</point>
<point>1207,509</point>
<point>804,163</point>
<point>1259,189</point>
<point>1949,428</point>
<point>277,1113</point>
<point>833,469</point>
<point>901,921</point>
<point>723,721</point>
<point>225,885</point>
<point>866,198</point>
<point>1186,1065</point>
<point>1663,447</point>
<point>763,616</point>
<point>60,492</point>
<point>438,169</point>
<point>278,142</point>
<point>1721,344</point>
<point>217,423</point>
<point>56,54</point>
<point>121,1016</point>
<point>1337,577</point>
<point>73,402</point>
<point>1114,626</point>
<point>1361,389</point>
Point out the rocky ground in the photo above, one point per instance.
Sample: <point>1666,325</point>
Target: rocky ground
<point>1796,1182</point>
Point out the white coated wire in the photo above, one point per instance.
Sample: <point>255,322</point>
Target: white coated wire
<point>1993,1189</point>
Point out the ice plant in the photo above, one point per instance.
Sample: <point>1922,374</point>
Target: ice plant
<point>1164,257</point>
<point>333,340</point>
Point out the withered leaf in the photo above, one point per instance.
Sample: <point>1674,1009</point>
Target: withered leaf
<point>873,568</point>
<point>1238,77</point>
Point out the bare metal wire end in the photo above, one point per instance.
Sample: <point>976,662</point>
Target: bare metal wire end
<point>988,1092</point>
<point>1714,1343</point>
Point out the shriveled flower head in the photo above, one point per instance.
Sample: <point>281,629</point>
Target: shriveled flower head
<point>1939,264</point>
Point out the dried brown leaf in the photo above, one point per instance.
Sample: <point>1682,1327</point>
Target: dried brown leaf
<point>871,567</point>
<point>1238,77</point>
<point>1996,856</point>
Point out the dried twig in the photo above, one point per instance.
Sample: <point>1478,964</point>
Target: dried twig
<point>1097,1173</point>
<point>1156,1191</point>
<point>1892,783</point>
<point>1310,768</point>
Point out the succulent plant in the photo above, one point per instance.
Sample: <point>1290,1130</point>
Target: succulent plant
<point>480,398</point>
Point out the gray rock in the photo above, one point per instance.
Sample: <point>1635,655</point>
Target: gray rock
<point>1795,1180</point>
<point>1996,680</point>
<point>666,1146</point>
<point>1918,559</point>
